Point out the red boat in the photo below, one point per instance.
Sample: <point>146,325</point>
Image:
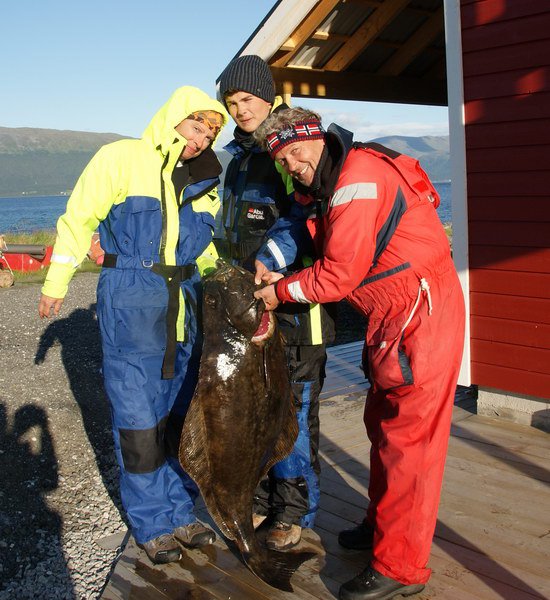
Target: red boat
<point>24,257</point>
<point>32,257</point>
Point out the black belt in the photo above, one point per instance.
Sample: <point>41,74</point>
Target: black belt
<point>173,275</point>
<point>109,261</point>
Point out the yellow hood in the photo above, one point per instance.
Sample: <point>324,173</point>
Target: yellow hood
<point>184,101</point>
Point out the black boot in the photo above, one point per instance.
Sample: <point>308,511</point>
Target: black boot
<point>372,585</point>
<point>358,538</point>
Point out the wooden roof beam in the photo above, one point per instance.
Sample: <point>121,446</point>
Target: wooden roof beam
<point>304,31</point>
<point>367,32</point>
<point>418,42</point>
<point>328,35</point>
<point>288,46</point>
<point>426,12</point>
<point>314,83</point>
<point>373,3</point>
<point>342,37</point>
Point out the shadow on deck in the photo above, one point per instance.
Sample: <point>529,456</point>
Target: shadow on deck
<point>492,538</point>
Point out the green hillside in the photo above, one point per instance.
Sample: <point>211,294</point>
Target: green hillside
<point>49,161</point>
<point>45,161</point>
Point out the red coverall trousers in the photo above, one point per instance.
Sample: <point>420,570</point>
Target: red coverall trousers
<point>409,424</point>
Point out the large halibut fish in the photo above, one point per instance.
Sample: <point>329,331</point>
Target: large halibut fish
<point>241,420</point>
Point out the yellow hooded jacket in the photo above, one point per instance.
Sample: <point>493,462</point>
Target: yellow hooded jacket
<point>131,168</point>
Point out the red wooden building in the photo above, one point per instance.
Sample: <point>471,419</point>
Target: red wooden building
<point>506,75</point>
<point>489,61</point>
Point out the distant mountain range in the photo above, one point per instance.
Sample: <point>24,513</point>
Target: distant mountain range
<point>49,161</point>
<point>431,150</point>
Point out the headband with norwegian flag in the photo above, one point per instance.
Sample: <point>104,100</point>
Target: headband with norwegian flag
<point>298,132</point>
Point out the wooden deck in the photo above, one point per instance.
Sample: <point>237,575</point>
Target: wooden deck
<point>493,534</point>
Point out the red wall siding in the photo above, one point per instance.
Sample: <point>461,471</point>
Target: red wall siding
<point>506,59</point>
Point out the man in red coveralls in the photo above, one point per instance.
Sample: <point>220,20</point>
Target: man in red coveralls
<point>383,248</point>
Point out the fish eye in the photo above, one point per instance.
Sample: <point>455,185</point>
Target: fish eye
<point>210,300</point>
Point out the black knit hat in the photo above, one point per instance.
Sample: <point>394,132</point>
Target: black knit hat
<point>250,74</point>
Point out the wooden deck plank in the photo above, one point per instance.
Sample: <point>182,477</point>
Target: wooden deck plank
<point>341,387</point>
<point>527,529</point>
<point>199,572</point>
<point>507,435</point>
<point>499,457</point>
<point>450,580</point>
<point>344,374</point>
<point>344,564</point>
<point>492,539</point>
<point>499,492</point>
<point>494,507</point>
<point>124,584</point>
<point>463,505</point>
<point>351,438</point>
<point>475,523</point>
<point>342,413</point>
<point>506,580</point>
<point>489,556</point>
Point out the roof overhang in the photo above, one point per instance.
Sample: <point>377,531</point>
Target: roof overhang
<point>375,50</point>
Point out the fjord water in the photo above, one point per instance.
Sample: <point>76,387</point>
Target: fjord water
<point>25,214</point>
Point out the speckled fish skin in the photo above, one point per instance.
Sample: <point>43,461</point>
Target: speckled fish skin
<point>241,420</point>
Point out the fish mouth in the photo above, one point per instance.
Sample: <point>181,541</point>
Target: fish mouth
<point>265,329</point>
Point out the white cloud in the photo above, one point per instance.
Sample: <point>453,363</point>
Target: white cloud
<point>365,129</point>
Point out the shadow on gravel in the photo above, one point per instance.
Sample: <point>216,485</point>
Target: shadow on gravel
<point>78,335</point>
<point>28,527</point>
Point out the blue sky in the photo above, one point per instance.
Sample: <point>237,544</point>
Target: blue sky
<point>108,65</point>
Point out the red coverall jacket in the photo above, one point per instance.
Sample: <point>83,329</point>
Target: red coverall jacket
<point>384,249</point>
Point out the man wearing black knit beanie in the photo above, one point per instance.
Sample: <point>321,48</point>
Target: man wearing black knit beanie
<point>251,74</point>
<point>255,195</point>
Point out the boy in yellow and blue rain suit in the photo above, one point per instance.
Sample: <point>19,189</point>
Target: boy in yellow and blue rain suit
<point>154,200</point>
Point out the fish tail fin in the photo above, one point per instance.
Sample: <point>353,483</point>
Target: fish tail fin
<point>276,568</point>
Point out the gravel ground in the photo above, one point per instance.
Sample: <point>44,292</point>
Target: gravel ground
<point>61,524</point>
<point>59,492</point>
